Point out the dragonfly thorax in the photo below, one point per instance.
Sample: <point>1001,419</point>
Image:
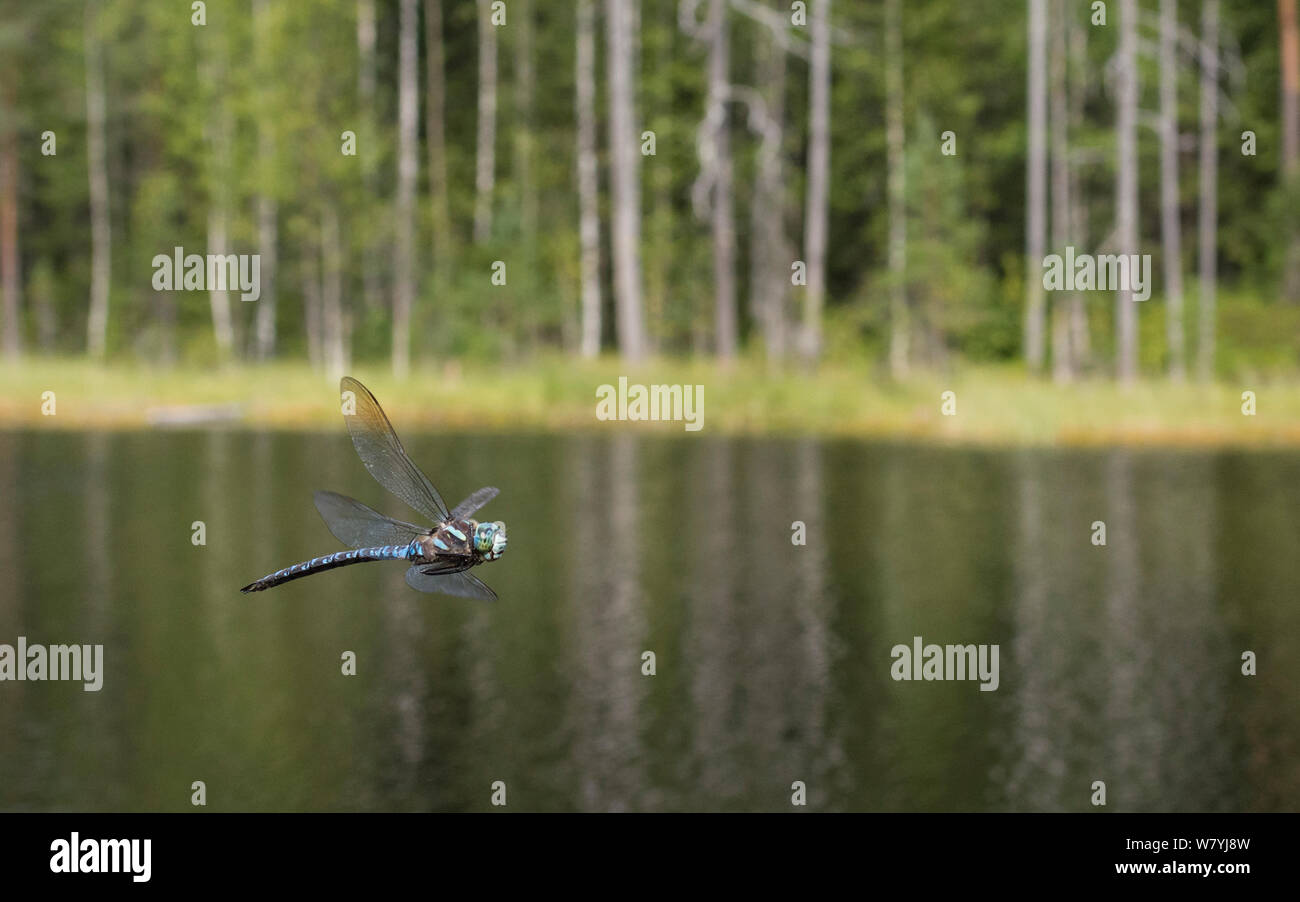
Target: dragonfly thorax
<point>464,539</point>
<point>490,540</point>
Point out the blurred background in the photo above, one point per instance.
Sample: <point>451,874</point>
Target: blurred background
<point>873,181</point>
<point>826,214</point>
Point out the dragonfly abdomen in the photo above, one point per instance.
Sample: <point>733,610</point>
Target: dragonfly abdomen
<point>337,559</point>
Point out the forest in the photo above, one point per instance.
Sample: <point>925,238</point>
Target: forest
<point>876,184</point>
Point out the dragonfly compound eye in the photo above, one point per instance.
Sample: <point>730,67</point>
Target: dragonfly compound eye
<point>484,536</point>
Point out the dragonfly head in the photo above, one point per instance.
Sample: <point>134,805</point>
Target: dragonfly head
<point>490,540</point>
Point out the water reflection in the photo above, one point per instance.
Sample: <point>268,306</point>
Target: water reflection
<point>1119,662</point>
<point>1123,664</point>
<point>606,624</point>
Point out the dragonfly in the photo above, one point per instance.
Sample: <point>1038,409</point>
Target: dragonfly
<point>440,556</point>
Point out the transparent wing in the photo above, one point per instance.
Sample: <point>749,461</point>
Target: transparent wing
<point>379,449</point>
<point>473,502</point>
<point>448,582</point>
<point>357,526</point>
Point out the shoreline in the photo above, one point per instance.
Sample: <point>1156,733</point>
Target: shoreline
<point>990,406</point>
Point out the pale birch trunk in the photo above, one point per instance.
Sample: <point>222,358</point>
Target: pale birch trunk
<point>1289,49</point>
<point>1126,186</point>
<point>1036,188</point>
<point>436,135</point>
<point>267,208</point>
<point>485,164</point>
<point>10,280</point>
<point>900,319</point>
<point>407,170</point>
<point>769,255</point>
<point>1170,227</point>
<point>722,221</point>
<point>219,135</point>
<point>1080,339</point>
<point>219,297</point>
<point>815,202</point>
<point>267,240</point>
<point>525,76</point>
<point>1208,217</point>
<point>625,180</point>
<point>334,324</point>
<point>524,128</point>
<point>101,252</point>
<point>311,304</point>
<point>371,277</point>
<point>1063,368</point>
<point>588,184</point>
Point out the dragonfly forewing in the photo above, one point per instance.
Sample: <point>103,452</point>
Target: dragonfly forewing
<point>381,451</point>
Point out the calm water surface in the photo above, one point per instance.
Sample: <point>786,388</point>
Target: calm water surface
<point>1118,663</point>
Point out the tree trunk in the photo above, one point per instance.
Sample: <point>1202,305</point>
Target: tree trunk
<point>267,240</point>
<point>900,318</point>
<point>47,325</point>
<point>529,319</point>
<point>1036,187</point>
<point>436,136</point>
<point>588,183</point>
<point>219,298</point>
<point>371,277</point>
<point>815,212</point>
<point>485,166</point>
<point>218,130</point>
<point>334,328</point>
<point>722,222</point>
<point>769,255</point>
<point>267,208</point>
<point>1126,186</point>
<point>1063,369</point>
<point>10,282</point>
<point>1080,340</point>
<point>1208,220</point>
<point>311,303</point>
<point>1170,226</point>
<point>525,76</point>
<point>625,164</point>
<point>660,216</point>
<point>1289,45</point>
<point>407,170</point>
<point>101,252</point>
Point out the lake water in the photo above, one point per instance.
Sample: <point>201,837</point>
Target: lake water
<point>772,661</point>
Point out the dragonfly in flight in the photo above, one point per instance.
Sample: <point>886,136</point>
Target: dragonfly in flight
<point>440,556</point>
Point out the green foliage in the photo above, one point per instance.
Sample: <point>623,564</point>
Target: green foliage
<point>1259,338</point>
<point>950,293</point>
<point>191,109</point>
